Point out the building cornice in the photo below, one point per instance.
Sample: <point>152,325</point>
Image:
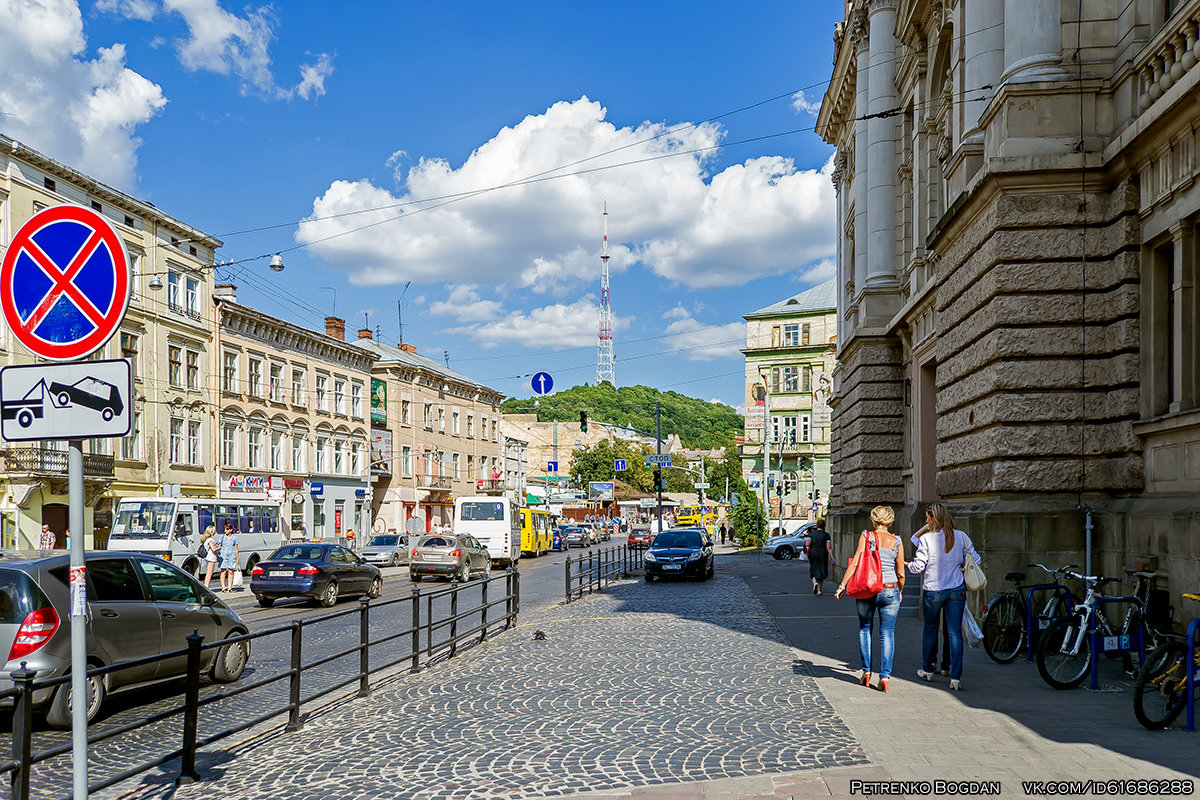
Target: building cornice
<point>276,334</point>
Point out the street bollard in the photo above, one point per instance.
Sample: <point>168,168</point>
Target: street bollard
<point>416,629</point>
<point>22,731</point>
<point>293,723</point>
<point>484,607</point>
<point>516,594</point>
<point>455,586</point>
<point>567,576</point>
<point>508,597</point>
<point>428,627</point>
<point>191,711</point>
<point>364,645</point>
<point>591,571</point>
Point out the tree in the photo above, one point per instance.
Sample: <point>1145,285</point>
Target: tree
<point>749,524</point>
<point>595,463</point>
<point>729,468</point>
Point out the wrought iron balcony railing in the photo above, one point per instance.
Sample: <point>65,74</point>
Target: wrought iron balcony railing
<point>36,461</point>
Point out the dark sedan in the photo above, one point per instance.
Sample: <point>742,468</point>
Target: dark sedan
<point>323,572</point>
<point>558,541</point>
<point>679,553</point>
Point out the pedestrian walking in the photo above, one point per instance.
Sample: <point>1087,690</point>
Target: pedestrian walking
<point>208,551</point>
<point>230,557</point>
<point>939,561</point>
<point>723,533</point>
<point>820,556</point>
<point>887,602</point>
<point>944,650</point>
<point>48,541</point>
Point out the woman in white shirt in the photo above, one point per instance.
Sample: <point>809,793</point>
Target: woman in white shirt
<point>939,561</point>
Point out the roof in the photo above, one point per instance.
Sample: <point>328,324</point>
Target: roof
<point>822,297</point>
<point>389,354</point>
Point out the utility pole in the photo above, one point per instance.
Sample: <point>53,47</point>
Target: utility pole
<point>766,448</point>
<point>658,449</point>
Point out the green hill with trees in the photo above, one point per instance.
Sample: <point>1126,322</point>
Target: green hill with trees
<point>698,423</point>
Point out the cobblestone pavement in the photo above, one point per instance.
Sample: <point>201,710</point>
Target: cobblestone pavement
<point>643,685</point>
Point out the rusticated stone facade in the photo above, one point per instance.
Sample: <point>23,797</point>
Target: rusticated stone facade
<point>1017,260</point>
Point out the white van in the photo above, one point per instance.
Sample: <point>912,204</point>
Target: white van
<point>495,522</point>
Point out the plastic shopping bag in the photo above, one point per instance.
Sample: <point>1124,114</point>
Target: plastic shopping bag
<point>237,579</point>
<point>972,635</point>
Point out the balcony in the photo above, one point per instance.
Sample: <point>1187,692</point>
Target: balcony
<point>490,487</point>
<point>38,462</point>
<point>433,483</point>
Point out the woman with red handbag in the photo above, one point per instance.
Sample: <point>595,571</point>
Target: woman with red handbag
<point>875,579</point>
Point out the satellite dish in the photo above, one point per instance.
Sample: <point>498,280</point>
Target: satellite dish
<point>414,526</point>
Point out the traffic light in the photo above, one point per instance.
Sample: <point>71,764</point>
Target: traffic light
<point>658,482</point>
<point>583,421</point>
<point>816,495</point>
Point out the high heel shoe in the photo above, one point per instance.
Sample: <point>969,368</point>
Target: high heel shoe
<point>955,686</point>
<point>883,685</point>
<point>925,676</point>
<point>866,679</point>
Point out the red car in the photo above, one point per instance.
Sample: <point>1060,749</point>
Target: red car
<point>640,536</point>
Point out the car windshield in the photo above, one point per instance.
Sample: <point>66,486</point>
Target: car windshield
<point>436,541</point>
<point>384,541</point>
<point>481,512</point>
<point>298,552</point>
<point>143,520</point>
<point>677,539</point>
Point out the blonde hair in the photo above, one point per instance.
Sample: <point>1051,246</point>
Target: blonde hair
<point>209,532</point>
<point>883,515</point>
<point>942,521</point>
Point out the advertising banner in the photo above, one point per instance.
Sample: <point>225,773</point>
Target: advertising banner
<point>378,400</point>
<point>381,450</point>
<point>600,490</point>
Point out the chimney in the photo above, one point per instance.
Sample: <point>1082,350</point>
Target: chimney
<point>225,291</point>
<point>408,348</point>
<point>364,333</point>
<point>335,328</point>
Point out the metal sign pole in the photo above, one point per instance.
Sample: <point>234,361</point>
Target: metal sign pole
<point>79,694</point>
<point>658,449</point>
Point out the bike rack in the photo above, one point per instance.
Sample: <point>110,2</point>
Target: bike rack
<point>1033,633</point>
<point>1192,677</point>
<point>1136,639</point>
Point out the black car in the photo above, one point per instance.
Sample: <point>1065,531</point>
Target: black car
<point>320,571</point>
<point>678,553</point>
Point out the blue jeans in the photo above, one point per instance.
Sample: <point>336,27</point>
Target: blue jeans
<point>932,604</point>
<point>887,603</point>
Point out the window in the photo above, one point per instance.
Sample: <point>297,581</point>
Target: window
<point>192,297</point>
<point>256,378</point>
<point>791,335</point>
<point>129,351</point>
<point>176,441</point>
<point>470,467</point>
<point>49,183</point>
<point>254,453</point>
<point>322,395</point>
<point>297,453</point>
<point>455,467</point>
<point>229,445</point>
<point>229,377</point>
<point>131,445</point>
<point>805,330</point>
<point>173,300</point>
<point>429,416</point>
<point>276,383</point>
<point>355,458</point>
<point>174,365</point>
<point>193,442</point>
<point>135,273</point>
<point>406,461</point>
<point>167,585</point>
<point>339,453</point>
<point>441,419</point>
<point>339,396</point>
<point>297,387</point>
<point>276,450</point>
<point>193,369</point>
<point>114,581</point>
<point>322,456</point>
<point>470,426</point>
<point>454,423</point>
<point>776,336</point>
<point>441,465</point>
<point>356,391</point>
<point>806,378</point>
<point>406,412</point>
<point>805,428</point>
<point>783,429</point>
<point>483,427</point>
<point>495,430</point>
<point>318,518</point>
<point>791,379</point>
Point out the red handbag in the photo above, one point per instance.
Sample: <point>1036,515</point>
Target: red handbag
<point>867,579</point>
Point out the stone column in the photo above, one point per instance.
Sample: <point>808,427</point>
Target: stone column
<point>1032,38</point>
<point>882,136</point>
<point>859,36</point>
<point>838,176</point>
<point>1183,322</point>
<point>983,51</point>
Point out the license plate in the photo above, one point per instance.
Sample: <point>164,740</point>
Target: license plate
<point>672,566</point>
<point>279,573</point>
<point>432,557</point>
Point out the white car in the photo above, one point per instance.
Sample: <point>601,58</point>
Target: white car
<point>787,546</point>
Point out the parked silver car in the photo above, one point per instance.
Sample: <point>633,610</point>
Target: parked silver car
<point>386,550</point>
<point>787,546</point>
<point>138,606</point>
<point>450,556</point>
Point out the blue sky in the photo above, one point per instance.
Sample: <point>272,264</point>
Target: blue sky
<point>323,131</point>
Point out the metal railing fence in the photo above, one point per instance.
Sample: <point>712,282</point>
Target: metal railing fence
<point>596,569</point>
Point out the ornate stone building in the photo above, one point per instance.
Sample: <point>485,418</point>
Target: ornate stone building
<point>1016,257</point>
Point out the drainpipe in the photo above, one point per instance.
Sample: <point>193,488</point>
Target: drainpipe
<point>1087,544</point>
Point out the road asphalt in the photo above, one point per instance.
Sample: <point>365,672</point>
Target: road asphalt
<point>741,688</point>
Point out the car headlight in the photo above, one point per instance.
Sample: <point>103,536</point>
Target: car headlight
<point>694,556</point>
<point>650,557</point>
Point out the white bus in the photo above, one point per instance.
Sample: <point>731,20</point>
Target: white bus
<point>495,522</point>
<point>171,527</point>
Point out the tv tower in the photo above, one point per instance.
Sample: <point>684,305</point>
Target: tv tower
<point>604,355</point>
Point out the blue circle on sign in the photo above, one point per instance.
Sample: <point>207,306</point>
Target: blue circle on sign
<point>542,383</point>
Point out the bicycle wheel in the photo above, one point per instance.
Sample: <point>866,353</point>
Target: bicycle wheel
<point>1003,629</point>
<point>1159,694</point>
<point>1063,655</point>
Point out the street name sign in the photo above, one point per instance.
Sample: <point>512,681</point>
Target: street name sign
<point>64,283</point>
<point>77,400</point>
<point>700,485</point>
<point>619,464</point>
<point>542,383</point>
<point>658,460</point>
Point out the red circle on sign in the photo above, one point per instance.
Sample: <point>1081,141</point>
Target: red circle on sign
<point>103,237</point>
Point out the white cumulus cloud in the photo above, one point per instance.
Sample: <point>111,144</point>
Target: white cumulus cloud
<point>464,304</point>
<point>558,326</point>
<point>760,217</point>
<point>802,104</point>
<point>699,342</point>
<point>84,112</point>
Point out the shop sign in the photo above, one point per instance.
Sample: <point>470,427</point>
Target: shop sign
<point>360,492</point>
<point>247,483</point>
<point>315,488</point>
<point>293,483</point>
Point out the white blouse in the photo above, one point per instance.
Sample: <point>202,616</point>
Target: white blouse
<point>941,570</point>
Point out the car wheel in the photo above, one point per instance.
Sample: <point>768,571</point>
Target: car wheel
<point>25,418</point>
<point>330,595</point>
<point>376,587</point>
<point>785,554</point>
<point>710,572</point>
<point>649,578</point>
<point>231,661</point>
<point>107,414</point>
<point>487,569</point>
<point>59,716</point>
<point>464,572</point>
<point>264,601</point>
<point>395,559</point>
<point>64,399</point>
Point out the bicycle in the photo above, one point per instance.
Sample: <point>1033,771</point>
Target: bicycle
<point>1005,628</point>
<point>1160,693</point>
<point>1064,653</point>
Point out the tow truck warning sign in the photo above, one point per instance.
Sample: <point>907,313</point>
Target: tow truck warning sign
<point>77,400</point>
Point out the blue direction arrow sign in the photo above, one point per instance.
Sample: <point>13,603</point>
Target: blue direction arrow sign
<point>655,460</point>
<point>542,383</point>
<point>619,464</point>
<point>551,466</point>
